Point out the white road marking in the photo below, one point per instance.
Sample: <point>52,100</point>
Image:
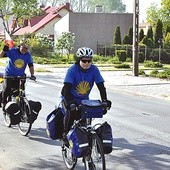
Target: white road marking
<point>37,84</point>
<point>34,84</point>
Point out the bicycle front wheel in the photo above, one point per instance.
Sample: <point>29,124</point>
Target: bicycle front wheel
<point>95,161</point>
<point>25,125</point>
<point>69,159</point>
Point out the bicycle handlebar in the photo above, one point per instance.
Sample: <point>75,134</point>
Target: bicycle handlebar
<point>75,107</point>
<point>103,104</point>
<point>18,77</point>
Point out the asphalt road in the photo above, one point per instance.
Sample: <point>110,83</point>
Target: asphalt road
<point>140,126</point>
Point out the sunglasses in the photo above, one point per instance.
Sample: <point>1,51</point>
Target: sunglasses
<point>85,61</point>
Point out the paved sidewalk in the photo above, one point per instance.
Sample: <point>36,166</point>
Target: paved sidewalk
<point>138,85</point>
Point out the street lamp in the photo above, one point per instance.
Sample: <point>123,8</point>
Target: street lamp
<point>135,37</point>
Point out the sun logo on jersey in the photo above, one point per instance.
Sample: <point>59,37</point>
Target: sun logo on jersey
<point>83,88</point>
<point>19,63</point>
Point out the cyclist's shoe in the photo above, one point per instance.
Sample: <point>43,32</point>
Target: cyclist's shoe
<point>92,166</point>
<point>65,140</point>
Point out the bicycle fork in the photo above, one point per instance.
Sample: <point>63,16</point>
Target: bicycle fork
<point>88,161</point>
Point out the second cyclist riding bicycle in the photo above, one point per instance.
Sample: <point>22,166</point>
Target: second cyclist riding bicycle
<point>19,110</point>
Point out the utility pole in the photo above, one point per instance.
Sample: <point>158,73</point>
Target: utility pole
<point>80,5</point>
<point>135,37</point>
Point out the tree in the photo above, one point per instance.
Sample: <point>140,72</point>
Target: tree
<point>153,14</point>
<point>117,36</point>
<point>90,5</point>
<point>44,41</point>
<point>130,33</point>
<point>65,43</point>
<point>19,9</point>
<point>108,5</point>
<point>126,39</point>
<point>165,12</point>
<point>147,41</point>
<point>141,35</point>
<point>49,2</point>
<point>158,33</point>
<point>150,33</point>
<point>167,41</point>
<point>167,30</point>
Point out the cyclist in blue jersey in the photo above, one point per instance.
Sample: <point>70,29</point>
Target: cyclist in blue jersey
<point>78,83</point>
<point>18,59</point>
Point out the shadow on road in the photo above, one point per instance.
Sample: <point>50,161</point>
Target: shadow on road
<point>145,156</point>
<point>40,135</point>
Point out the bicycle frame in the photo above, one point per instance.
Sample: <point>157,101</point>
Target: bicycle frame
<point>18,96</point>
<point>96,157</point>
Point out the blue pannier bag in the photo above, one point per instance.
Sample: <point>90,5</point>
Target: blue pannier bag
<point>91,109</point>
<point>54,124</point>
<point>104,131</point>
<point>78,141</point>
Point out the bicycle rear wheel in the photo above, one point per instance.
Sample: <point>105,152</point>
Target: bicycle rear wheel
<point>69,159</point>
<point>7,119</point>
<point>25,125</point>
<point>95,161</point>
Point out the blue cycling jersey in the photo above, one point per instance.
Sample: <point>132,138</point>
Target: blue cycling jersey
<point>17,62</point>
<point>82,81</point>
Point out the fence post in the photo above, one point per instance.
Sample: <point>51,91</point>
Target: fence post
<point>145,52</point>
<point>105,50</point>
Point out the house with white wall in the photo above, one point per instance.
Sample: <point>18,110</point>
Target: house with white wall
<point>43,24</point>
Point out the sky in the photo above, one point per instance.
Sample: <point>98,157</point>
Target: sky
<point>143,5</point>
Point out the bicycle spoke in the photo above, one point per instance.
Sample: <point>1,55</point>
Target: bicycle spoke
<point>97,161</point>
<point>25,126</point>
<point>7,120</point>
<point>69,159</point>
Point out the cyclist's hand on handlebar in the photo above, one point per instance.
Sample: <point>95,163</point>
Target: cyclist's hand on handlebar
<point>108,102</point>
<point>33,78</point>
<point>107,105</point>
<point>71,106</point>
<point>6,48</point>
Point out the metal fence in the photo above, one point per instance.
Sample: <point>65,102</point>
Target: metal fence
<point>145,53</point>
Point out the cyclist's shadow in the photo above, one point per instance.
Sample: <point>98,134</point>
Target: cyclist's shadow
<point>40,135</point>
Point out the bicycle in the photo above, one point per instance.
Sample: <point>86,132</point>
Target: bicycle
<point>18,96</point>
<point>95,158</point>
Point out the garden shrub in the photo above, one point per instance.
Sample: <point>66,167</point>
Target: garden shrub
<point>152,64</point>
<point>142,72</point>
<point>154,73</point>
<point>141,57</point>
<point>154,55</point>
<point>162,75</point>
<point>123,65</point>
<point>128,59</point>
<point>164,56</point>
<point>121,54</point>
<point>167,71</point>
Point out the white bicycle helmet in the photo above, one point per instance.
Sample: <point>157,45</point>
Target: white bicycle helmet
<point>85,52</point>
